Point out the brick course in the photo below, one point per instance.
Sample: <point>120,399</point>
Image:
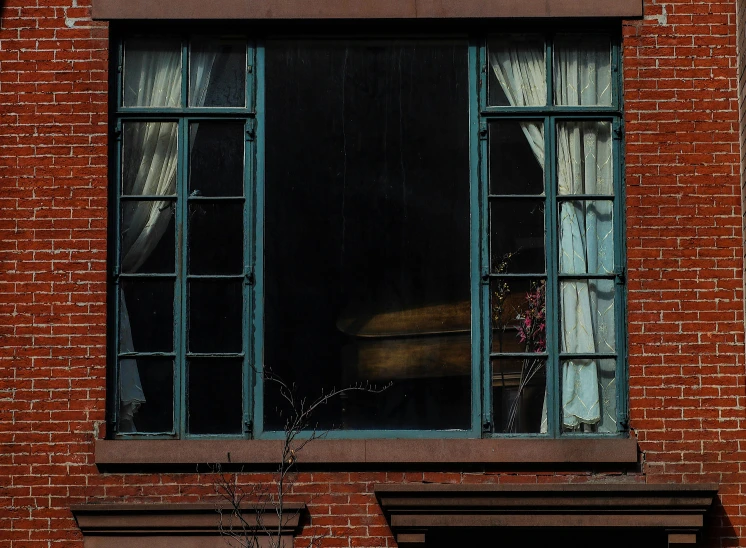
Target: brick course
<point>685,262</point>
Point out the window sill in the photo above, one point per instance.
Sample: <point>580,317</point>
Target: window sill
<point>370,452</point>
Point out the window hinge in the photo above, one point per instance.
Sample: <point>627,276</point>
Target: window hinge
<point>249,68</point>
<point>250,132</point>
<point>483,131</point>
<point>619,133</point>
<point>118,130</point>
<point>248,426</point>
<point>115,273</point>
<point>485,277</point>
<point>249,278</point>
<point>487,427</point>
<point>620,276</point>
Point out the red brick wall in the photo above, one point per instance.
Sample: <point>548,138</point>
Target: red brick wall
<point>685,279</point>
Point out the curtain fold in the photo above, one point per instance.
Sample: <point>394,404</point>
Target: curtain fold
<point>521,74</point>
<point>582,77</point>
<point>150,156</point>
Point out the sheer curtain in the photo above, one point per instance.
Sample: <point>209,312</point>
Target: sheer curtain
<point>152,79</point>
<point>584,157</point>
<point>582,77</point>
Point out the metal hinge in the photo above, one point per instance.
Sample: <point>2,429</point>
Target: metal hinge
<point>115,273</point>
<point>250,130</point>
<point>619,133</point>
<point>487,427</point>
<point>482,131</point>
<point>620,276</point>
<point>485,277</point>
<point>249,278</point>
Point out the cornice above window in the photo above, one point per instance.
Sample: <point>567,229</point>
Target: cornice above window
<point>192,525</point>
<point>362,9</point>
<point>676,510</point>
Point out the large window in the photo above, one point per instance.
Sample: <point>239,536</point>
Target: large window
<point>438,216</point>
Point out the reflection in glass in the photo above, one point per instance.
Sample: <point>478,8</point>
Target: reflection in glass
<point>518,314</point>
<point>146,315</point>
<point>584,158</point>
<point>518,392</point>
<point>516,157</point>
<point>367,230</point>
<point>589,395</point>
<point>517,74</point>
<point>152,73</point>
<point>216,158</point>
<point>152,410</point>
<point>215,315</point>
<point>582,70</point>
<point>587,308</point>
<point>217,73</point>
<point>517,236</point>
<point>215,237</point>
<point>586,237</point>
<point>214,396</point>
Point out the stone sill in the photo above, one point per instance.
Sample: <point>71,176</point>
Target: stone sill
<point>362,9</point>
<point>374,452</point>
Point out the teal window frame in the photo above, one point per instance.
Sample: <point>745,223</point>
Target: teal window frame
<point>480,114</point>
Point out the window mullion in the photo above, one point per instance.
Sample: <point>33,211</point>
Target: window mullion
<point>554,395</point>
<point>482,373</point>
<point>180,312</point>
<point>256,384</point>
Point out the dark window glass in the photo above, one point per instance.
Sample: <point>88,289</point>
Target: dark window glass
<point>516,158</point>
<point>215,315</point>
<point>215,237</point>
<point>146,315</point>
<point>517,236</point>
<point>216,158</point>
<point>367,230</point>
<point>146,393</point>
<point>217,73</point>
<point>518,392</point>
<point>214,396</point>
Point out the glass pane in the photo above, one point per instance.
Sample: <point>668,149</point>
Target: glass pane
<point>214,395</point>
<point>586,237</point>
<point>517,236</point>
<point>518,315</point>
<point>149,154</point>
<point>147,242</point>
<point>584,158</point>
<point>589,396</point>
<point>367,230</point>
<point>152,73</point>
<point>215,237</point>
<point>215,316</point>
<point>517,71</point>
<point>146,395</point>
<point>146,315</point>
<point>518,392</point>
<point>587,309</point>
<point>516,157</point>
<point>216,159</point>
<point>582,70</point>
<point>217,73</point>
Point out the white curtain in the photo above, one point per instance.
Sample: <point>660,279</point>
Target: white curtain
<point>152,79</point>
<point>582,77</point>
<point>521,71</point>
